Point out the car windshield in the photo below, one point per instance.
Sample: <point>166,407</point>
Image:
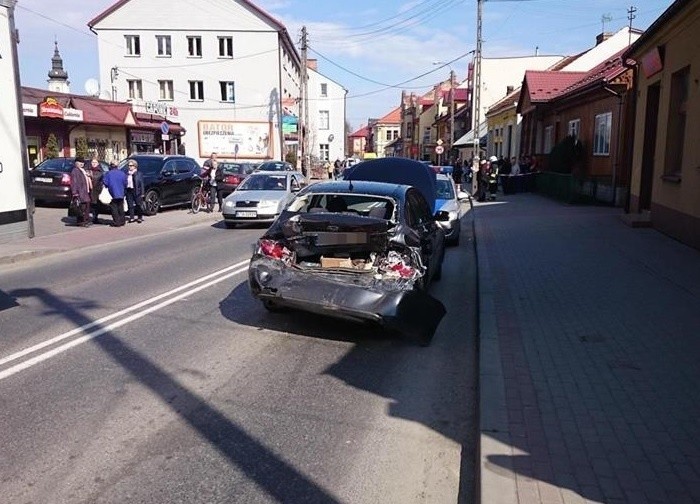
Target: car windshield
<point>273,166</point>
<point>367,205</point>
<point>444,189</point>
<point>263,182</point>
<point>149,166</point>
<point>57,164</point>
<point>236,168</point>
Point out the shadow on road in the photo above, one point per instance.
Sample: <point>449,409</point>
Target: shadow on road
<point>256,461</point>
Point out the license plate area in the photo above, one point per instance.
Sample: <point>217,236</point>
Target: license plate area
<point>45,180</point>
<point>246,214</point>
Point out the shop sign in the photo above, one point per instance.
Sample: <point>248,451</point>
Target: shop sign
<point>50,108</point>
<point>651,63</point>
<point>289,124</point>
<point>157,108</point>
<point>144,137</point>
<point>233,138</point>
<point>71,114</point>
<point>29,110</point>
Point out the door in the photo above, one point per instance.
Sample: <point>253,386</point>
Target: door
<point>167,181</point>
<point>649,149</point>
<point>33,151</point>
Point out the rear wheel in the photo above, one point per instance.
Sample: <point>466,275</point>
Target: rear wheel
<point>271,306</point>
<point>151,202</point>
<point>197,202</point>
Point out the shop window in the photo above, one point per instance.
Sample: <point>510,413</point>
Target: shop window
<point>135,89</point>
<point>324,152</point>
<point>133,45</point>
<point>677,112</point>
<point>323,120</point>
<point>548,139</point>
<point>166,89</point>
<point>601,134</point>
<point>225,47</point>
<point>196,90</point>
<point>574,129</point>
<point>164,47</point>
<point>228,91</point>
<point>194,47</point>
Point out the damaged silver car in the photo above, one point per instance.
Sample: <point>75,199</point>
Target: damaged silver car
<point>359,250</point>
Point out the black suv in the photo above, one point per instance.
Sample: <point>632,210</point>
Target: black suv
<point>168,180</point>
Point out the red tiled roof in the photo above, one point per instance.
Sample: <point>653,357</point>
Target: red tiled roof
<point>604,72</point>
<point>393,117</point>
<point>505,102</point>
<point>362,132</point>
<point>543,85</point>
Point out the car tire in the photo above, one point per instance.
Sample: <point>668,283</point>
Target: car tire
<point>271,306</point>
<point>151,202</point>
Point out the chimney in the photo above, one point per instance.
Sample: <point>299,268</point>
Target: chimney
<point>312,64</point>
<point>602,37</point>
<point>509,89</point>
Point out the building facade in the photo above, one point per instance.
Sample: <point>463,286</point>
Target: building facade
<point>665,178</point>
<point>228,73</point>
<point>326,128</point>
<point>385,130</point>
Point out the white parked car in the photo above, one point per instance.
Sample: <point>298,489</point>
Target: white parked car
<point>448,207</point>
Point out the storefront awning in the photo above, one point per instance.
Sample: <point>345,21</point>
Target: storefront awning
<point>468,139</point>
<point>153,122</point>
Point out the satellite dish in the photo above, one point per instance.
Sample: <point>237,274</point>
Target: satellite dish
<point>92,87</point>
<point>331,137</point>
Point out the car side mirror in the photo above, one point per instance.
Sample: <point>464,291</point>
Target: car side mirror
<point>167,173</point>
<point>462,196</point>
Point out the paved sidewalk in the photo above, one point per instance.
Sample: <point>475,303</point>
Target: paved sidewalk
<point>55,232</point>
<point>589,348</point>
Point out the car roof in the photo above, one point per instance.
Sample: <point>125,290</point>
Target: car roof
<point>276,173</point>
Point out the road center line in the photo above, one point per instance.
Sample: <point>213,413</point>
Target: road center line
<point>99,322</point>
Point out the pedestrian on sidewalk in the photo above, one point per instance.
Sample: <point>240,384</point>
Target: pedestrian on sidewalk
<point>81,188</point>
<point>329,169</point>
<point>97,186</point>
<point>134,191</point>
<point>115,182</point>
<point>493,177</point>
<point>214,178</point>
<point>457,174</point>
<point>482,180</point>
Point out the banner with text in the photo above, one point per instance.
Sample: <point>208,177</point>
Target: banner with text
<point>235,139</point>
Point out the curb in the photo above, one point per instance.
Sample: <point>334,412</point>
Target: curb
<point>25,255</point>
<point>496,484</point>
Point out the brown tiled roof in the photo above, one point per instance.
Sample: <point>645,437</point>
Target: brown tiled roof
<point>393,117</point>
<point>362,132</point>
<point>543,85</point>
<point>604,72</point>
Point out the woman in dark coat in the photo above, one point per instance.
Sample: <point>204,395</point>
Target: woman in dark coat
<point>134,191</point>
<point>97,186</point>
<point>80,187</point>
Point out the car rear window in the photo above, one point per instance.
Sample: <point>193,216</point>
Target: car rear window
<point>444,189</point>
<point>257,182</point>
<point>232,168</point>
<point>149,166</point>
<point>56,164</point>
<point>273,166</point>
<point>359,204</point>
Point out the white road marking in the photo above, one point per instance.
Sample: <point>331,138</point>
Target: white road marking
<point>103,329</point>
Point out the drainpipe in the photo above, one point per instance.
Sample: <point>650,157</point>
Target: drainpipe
<point>620,98</point>
<point>630,144</point>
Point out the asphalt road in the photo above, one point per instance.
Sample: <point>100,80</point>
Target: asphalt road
<point>144,372</point>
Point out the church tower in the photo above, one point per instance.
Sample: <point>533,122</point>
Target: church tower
<point>58,77</point>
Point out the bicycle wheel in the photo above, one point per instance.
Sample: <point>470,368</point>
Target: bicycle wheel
<point>197,202</point>
<point>209,203</point>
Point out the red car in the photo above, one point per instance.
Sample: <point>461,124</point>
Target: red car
<point>233,174</point>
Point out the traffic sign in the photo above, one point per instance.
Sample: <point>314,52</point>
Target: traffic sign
<point>439,141</point>
<point>164,128</point>
<point>439,149</point>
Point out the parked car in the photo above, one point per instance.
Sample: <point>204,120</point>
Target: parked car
<point>448,207</point>
<point>275,166</point>
<point>168,180</point>
<point>261,197</point>
<point>358,250</point>
<point>233,174</point>
<point>49,181</point>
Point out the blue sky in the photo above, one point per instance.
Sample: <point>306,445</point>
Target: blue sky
<point>387,41</point>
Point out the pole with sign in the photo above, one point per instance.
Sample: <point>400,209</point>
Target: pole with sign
<point>164,129</point>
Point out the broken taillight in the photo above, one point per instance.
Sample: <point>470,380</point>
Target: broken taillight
<point>65,179</point>
<point>404,270</point>
<point>274,250</point>
<point>232,180</point>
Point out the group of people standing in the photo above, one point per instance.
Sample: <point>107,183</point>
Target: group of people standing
<point>87,184</point>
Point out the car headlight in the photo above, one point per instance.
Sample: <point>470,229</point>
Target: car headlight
<point>228,204</point>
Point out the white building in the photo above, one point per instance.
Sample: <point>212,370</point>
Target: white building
<point>226,71</point>
<point>326,128</point>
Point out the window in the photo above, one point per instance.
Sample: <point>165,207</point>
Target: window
<point>135,89</point>
<point>166,89</point>
<point>548,139</point>
<point>225,47</point>
<point>228,91</point>
<point>163,43</point>
<point>194,47</point>
<point>196,90</point>
<point>323,120</point>
<point>601,134</point>
<point>574,128</point>
<point>677,113</point>
<point>324,89</point>
<point>324,152</point>
<point>133,45</point>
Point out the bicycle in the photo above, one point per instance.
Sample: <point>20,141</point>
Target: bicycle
<point>202,199</point>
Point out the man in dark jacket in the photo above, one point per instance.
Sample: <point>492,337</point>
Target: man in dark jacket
<point>80,188</point>
<point>115,182</point>
<point>97,186</point>
<point>134,191</point>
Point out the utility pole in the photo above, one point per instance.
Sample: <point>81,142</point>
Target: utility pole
<point>305,163</point>
<point>452,110</point>
<point>477,93</point>
<point>631,15</point>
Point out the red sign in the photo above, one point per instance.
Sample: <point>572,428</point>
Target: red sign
<point>50,108</point>
<point>651,63</point>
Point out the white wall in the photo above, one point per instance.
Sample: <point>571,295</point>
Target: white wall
<point>602,51</point>
<point>334,103</point>
<point>12,192</point>
<point>254,68</point>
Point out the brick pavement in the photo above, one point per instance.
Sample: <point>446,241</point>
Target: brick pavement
<point>590,339</point>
